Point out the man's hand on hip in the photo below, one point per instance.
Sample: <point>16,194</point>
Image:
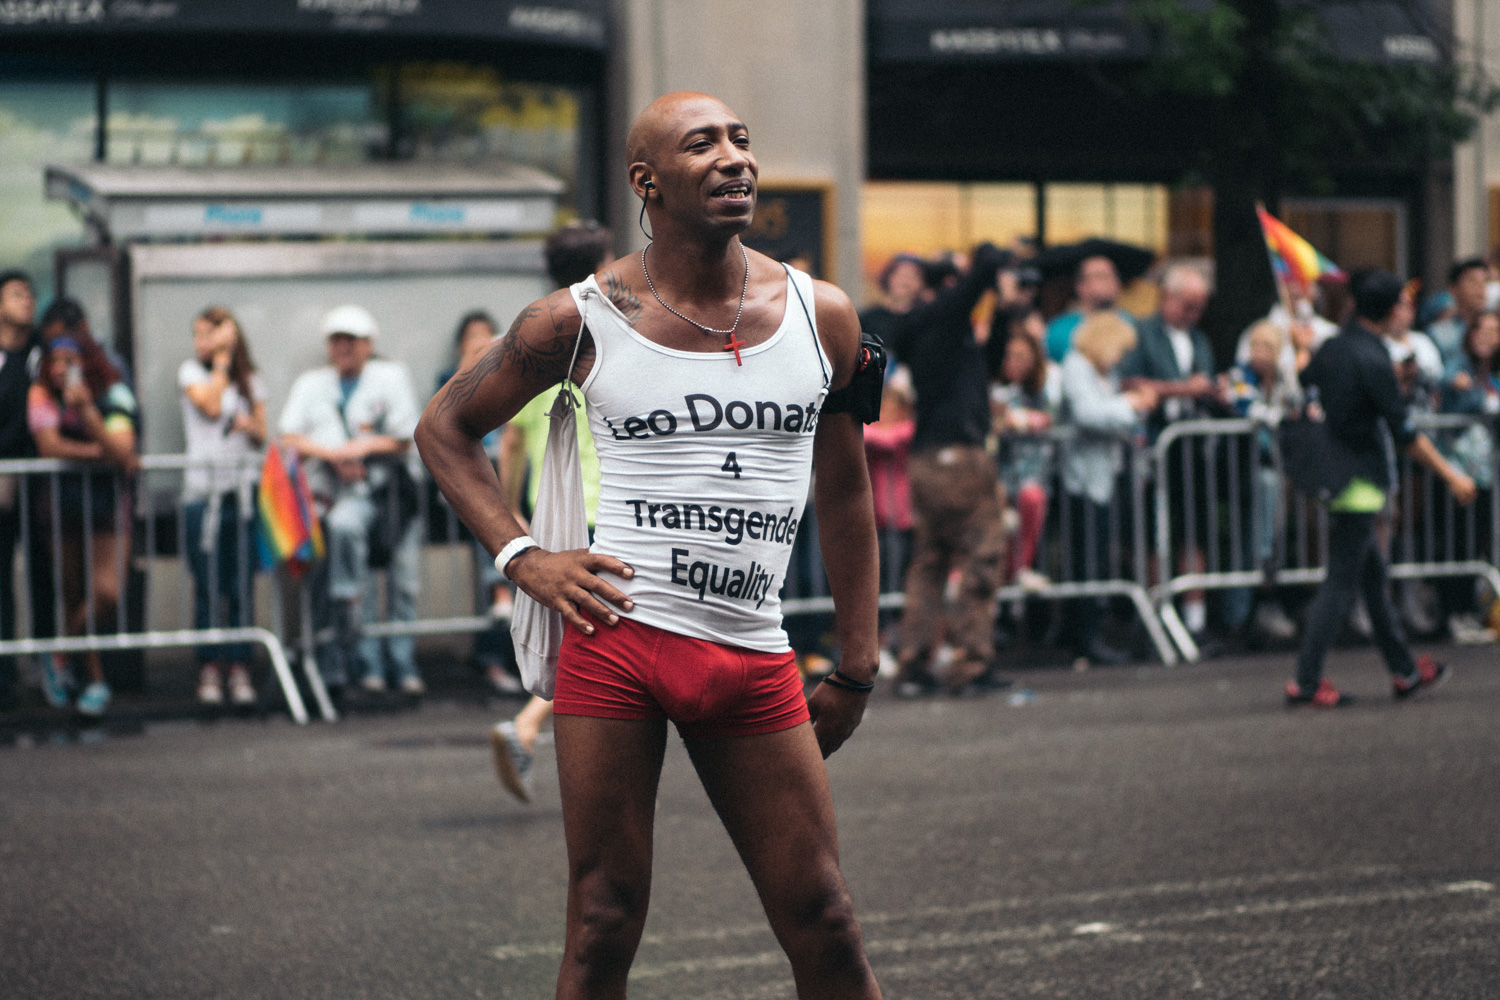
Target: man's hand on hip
<point>567,582</point>
<point>836,713</point>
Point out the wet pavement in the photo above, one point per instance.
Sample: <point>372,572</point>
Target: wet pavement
<point>1126,833</point>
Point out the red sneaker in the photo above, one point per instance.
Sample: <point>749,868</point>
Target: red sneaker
<point>1325,695</point>
<point>1430,673</point>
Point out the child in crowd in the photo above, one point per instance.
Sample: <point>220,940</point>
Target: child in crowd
<point>1026,401</point>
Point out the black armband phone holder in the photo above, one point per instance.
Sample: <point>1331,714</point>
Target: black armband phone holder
<point>861,396</point>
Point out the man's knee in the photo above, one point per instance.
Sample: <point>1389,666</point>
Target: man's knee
<point>609,917</point>
<point>822,925</point>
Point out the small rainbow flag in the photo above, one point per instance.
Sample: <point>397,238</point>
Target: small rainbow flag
<point>1295,261</point>
<point>290,532</point>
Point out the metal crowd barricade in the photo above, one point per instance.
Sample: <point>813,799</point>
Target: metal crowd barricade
<point>1219,490</point>
<point>57,524</point>
<point>439,526</point>
<point>1121,573</point>
<point>157,502</point>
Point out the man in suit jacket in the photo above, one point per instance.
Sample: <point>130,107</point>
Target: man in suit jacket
<point>1173,357</point>
<point>1171,354</point>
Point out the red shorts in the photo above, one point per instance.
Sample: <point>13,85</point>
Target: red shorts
<point>636,671</point>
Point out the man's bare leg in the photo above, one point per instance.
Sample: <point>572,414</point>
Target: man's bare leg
<point>608,770</point>
<point>530,720</point>
<point>772,794</point>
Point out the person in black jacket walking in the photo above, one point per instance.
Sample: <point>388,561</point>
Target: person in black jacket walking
<point>954,487</point>
<point>1356,388</point>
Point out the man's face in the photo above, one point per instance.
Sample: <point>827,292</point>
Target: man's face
<point>17,303</point>
<point>1468,291</point>
<point>704,170</point>
<point>348,353</point>
<point>1098,283</point>
<point>1183,307</point>
<point>905,282</point>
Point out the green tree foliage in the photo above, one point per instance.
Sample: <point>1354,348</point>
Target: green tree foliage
<point>1279,110</point>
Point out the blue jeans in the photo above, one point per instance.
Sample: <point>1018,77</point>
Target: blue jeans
<point>1258,543</point>
<point>350,579</point>
<point>222,576</point>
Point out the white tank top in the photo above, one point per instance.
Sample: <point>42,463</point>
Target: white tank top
<point>704,468</point>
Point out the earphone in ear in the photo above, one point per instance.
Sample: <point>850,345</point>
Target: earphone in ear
<point>646,186</point>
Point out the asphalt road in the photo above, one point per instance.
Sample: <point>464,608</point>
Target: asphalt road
<point>1136,833</point>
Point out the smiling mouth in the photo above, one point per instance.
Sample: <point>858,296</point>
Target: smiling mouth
<point>739,190</point>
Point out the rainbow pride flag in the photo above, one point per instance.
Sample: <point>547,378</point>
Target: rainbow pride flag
<point>1295,261</point>
<point>290,531</point>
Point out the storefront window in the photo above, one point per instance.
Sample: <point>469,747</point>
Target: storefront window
<point>452,113</point>
<point>203,125</point>
<point>40,123</point>
<point>1130,213</point>
<point>928,218</point>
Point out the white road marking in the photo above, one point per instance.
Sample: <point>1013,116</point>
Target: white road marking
<point>1048,934</point>
<point>1100,928</point>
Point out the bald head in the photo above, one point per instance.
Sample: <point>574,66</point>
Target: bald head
<point>667,117</point>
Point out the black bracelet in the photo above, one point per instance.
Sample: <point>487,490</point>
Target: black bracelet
<point>839,679</point>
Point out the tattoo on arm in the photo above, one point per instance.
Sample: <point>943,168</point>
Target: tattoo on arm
<point>544,362</point>
<point>620,294</point>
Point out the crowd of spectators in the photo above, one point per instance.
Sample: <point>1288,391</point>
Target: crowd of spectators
<point>65,396</point>
<point>348,424</point>
<point>975,486</point>
<point>1003,456</point>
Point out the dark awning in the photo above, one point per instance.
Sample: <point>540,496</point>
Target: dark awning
<point>1063,30</point>
<point>577,23</point>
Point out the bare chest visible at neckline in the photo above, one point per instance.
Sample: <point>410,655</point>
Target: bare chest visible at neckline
<point>767,309</point>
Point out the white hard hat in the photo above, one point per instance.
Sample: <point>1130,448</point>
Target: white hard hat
<point>353,320</point>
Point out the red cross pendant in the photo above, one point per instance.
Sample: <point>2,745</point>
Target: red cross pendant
<point>735,345</point>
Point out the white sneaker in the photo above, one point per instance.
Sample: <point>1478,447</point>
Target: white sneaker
<point>241,691</point>
<point>1467,630</point>
<point>413,686</point>
<point>210,690</point>
<point>1272,620</point>
<point>1031,581</point>
<point>1414,608</point>
<point>373,683</point>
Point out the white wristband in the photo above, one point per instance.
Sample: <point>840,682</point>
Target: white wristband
<point>513,548</point>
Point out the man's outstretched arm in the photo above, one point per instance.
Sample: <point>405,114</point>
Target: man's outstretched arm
<point>531,357</point>
<point>846,531</point>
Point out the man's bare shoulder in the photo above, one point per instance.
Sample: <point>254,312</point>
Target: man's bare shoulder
<point>540,341</point>
<point>618,280</point>
<point>838,326</point>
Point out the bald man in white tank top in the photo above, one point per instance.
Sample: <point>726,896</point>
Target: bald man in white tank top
<point>706,369</point>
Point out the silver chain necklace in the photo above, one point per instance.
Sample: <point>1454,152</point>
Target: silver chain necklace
<point>706,329</point>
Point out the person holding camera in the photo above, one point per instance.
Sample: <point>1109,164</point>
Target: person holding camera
<point>955,491</point>
<point>353,420</point>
